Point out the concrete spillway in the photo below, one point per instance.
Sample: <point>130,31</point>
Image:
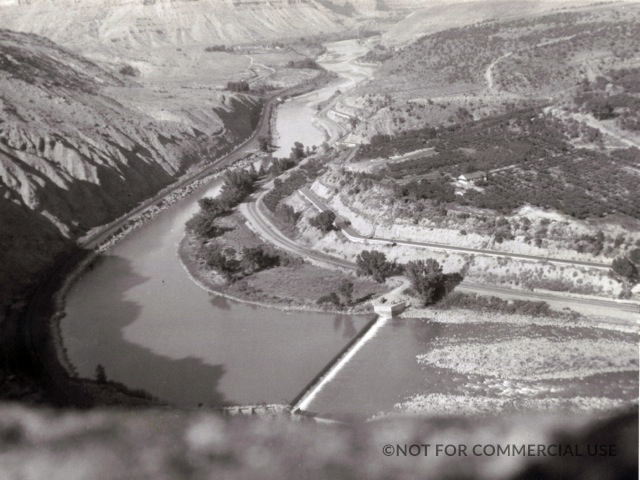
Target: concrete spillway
<point>304,399</point>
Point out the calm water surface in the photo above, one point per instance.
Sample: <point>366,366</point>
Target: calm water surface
<point>290,129</point>
<point>138,313</point>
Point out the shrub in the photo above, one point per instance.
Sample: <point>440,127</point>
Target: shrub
<point>331,298</point>
<point>128,70</point>
<point>427,279</point>
<point>375,264</point>
<point>324,221</point>
<point>625,268</point>
<point>241,86</point>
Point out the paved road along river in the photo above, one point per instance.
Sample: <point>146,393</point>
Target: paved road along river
<point>137,312</point>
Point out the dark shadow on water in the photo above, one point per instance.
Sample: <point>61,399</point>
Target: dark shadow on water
<point>220,302</point>
<point>346,324</point>
<point>96,337</point>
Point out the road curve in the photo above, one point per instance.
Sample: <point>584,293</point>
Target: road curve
<point>354,235</point>
<point>32,335</point>
<point>248,146</point>
<point>254,211</point>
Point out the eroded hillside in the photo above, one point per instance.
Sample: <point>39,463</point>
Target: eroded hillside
<point>131,24</point>
<point>74,153</point>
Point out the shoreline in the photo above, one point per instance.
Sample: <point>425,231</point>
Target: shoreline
<point>40,319</point>
<point>195,274</point>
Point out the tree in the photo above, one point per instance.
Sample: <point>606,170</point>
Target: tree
<point>323,221</point>
<point>217,260</point>
<point>211,206</point>
<point>623,267</point>
<point>297,152</point>
<point>634,256</point>
<point>345,288</point>
<point>375,264</point>
<point>331,298</point>
<point>203,225</point>
<point>427,279</point>
<point>241,86</point>
<point>101,374</point>
<point>256,258</point>
<point>265,143</point>
<point>287,214</point>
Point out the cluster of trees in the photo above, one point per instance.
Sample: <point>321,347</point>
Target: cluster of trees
<point>502,231</point>
<point>286,217</point>
<point>378,54</point>
<point>343,297</point>
<point>238,185</point>
<point>583,184</point>
<point>239,86</point>
<point>304,63</point>
<point>428,281</point>
<point>284,188</point>
<point>324,221</point>
<point>628,266</point>
<point>592,244</point>
<point>218,48</point>
<point>373,263</point>
<point>549,172</point>
<point>265,143</point>
<point>439,190</point>
<point>235,266</point>
<point>625,106</point>
<point>496,304</point>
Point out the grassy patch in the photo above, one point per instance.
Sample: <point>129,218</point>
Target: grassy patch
<point>301,285</point>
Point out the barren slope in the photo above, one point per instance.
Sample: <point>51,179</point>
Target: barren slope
<point>132,24</point>
<point>73,157</point>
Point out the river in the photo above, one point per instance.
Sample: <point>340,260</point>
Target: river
<point>138,313</point>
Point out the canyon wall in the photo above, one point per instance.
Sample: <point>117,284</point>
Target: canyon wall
<point>75,155</point>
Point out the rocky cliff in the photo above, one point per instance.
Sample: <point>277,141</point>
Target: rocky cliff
<point>136,23</point>
<point>74,153</point>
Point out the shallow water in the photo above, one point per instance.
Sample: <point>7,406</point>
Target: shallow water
<point>290,129</point>
<point>386,371</point>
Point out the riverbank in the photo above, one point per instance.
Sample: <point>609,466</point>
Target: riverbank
<point>294,288</point>
<point>521,363</point>
<point>34,329</point>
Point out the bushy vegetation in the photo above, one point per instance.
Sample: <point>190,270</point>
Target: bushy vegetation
<point>304,63</point>
<point>284,188</point>
<point>439,190</point>
<point>218,48</point>
<point>495,304</point>
<point>303,175</point>
<point>378,54</point>
<point>427,279</point>
<point>324,221</point>
<point>613,97</point>
<point>627,266</point>
<point>233,265</point>
<point>238,184</point>
<point>545,53</point>
<point>128,70</point>
<point>241,86</point>
<point>537,166</point>
<point>343,297</point>
<point>374,263</point>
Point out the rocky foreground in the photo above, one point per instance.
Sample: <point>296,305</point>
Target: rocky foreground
<point>171,445</point>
